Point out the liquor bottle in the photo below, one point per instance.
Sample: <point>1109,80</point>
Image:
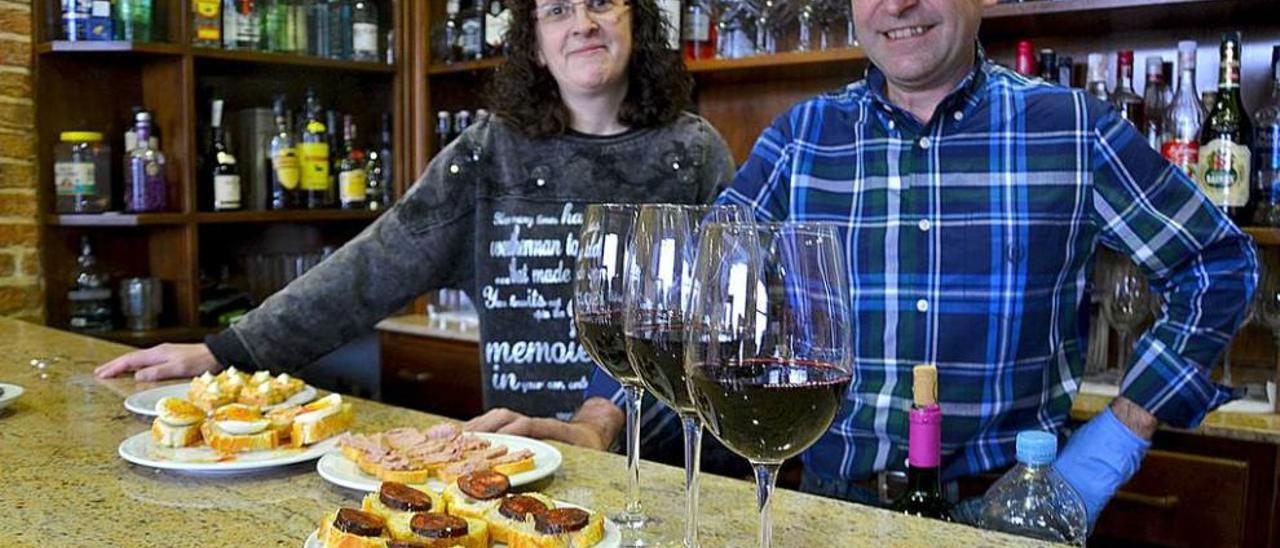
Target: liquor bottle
<point>1065,67</point>
<point>223,176</point>
<point>1127,101</point>
<point>313,156</point>
<point>364,31</point>
<point>1266,144</point>
<point>924,456</point>
<point>1181,145</point>
<point>206,19</point>
<point>1097,85</point>
<point>353,180</point>
<point>333,132</point>
<point>133,20</point>
<point>1049,65</point>
<point>319,32</point>
<point>1025,63</point>
<point>699,32</point>
<point>1155,101</point>
<point>452,32</point>
<point>297,24</point>
<point>146,188</point>
<point>461,121</point>
<point>496,21</point>
<point>471,37</point>
<point>283,164</point>
<point>247,24</point>
<point>379,169</point>
<point>89,298</point>
<point>1226,138</point>
<point>273,18</point>
<point>671,12</point>
<point>340,26</point>
<point>444,129</point>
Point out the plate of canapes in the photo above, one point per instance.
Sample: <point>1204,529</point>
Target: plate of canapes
<point>236,436</point>
<point>477,510</point>
<point>209,391</point>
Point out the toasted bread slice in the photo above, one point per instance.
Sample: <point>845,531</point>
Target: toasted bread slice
<point>307,433</point>
<point>397,520</point>
<point>332,537</point>
<point>239,443</point>
<point>168,435</point>
<point>477,537</point>
<point>527,535</point>
<point>502,528</point>
<point>415,477</point>
<point>464,506</point>
<point>450,474</point>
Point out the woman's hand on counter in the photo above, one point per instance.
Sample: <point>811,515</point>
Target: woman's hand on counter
<point>166,361</point>
<point>595,425</point>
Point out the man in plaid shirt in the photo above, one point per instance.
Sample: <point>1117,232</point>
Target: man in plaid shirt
<point>971,201</point>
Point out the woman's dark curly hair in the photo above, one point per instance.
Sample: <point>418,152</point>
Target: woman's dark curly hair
<point>525,94</point>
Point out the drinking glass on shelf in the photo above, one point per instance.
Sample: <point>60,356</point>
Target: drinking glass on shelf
<point>1126,303</point>
<point>768,348</point>
<point>658,282</point>
<point>1266,302</point>
<point>599,294</point>
<point>771,17</point>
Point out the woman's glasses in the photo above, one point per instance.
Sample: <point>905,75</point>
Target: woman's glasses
<point>553,13</point>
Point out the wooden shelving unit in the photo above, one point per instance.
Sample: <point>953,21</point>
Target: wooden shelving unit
<point>93,85</point>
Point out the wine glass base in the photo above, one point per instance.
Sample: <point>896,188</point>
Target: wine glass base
<point>641,530</point>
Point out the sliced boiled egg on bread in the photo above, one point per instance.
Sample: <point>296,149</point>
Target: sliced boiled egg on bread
<point>237,412</point>
<point>319,409</point>
<point>178,412</point>
<point>241,428</point>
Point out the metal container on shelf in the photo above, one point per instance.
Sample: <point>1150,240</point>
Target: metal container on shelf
<point>254,129</point>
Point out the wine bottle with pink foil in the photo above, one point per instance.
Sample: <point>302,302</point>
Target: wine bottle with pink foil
<point>924,452</point>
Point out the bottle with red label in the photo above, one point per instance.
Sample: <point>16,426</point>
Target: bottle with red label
<point>1184,116</point>
<point>1127,102</point>
<point>1226,140</point>
<point>698,35</point>
<point>1025,63</point>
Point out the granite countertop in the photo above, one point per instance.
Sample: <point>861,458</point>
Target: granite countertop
<point>1264,428</point>
<point>64,485</point>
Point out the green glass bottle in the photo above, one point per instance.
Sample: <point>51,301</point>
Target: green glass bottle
<point>133,20</point>
<point>1226,139</point>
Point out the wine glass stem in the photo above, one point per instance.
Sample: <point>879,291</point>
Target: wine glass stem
<point>692,464</point>
<point>766,477</point>
<point>635,396</point>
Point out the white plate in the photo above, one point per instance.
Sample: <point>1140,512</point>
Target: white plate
<point>612,535</point>
<point>11,393</point>
<point>339,470</point>
<point>139,449</point>
<point>144,402</point>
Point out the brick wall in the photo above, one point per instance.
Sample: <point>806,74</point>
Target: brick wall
<point>21,291</point>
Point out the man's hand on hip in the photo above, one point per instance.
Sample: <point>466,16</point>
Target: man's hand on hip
<point>1105,453</point>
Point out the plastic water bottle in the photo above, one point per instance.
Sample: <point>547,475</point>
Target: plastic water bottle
<point>1032,500</point>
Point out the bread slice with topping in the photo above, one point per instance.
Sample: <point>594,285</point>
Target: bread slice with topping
<point>397,503</point>
<point>565,527</point>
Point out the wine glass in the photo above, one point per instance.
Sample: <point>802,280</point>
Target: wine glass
<point>599,294</point>
<point>768,350</point>
<point>658,281</point>
<point>1126,303</point>
<point>1266,302</point>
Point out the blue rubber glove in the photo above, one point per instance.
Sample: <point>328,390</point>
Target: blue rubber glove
<point>1099,458</point>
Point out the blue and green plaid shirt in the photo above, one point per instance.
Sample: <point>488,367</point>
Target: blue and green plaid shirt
<point>969,241</point>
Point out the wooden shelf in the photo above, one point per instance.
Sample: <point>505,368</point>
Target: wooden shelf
<point>1076,18</point>
<point>288,59</point>
<point>288,216</point>
<point>467,66</point>
<point>116,219</point>
<point>149,48</point>
<point>1264,235</point>
<point>152,337</point>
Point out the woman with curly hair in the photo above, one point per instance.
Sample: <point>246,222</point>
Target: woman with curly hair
<point>589,107</point>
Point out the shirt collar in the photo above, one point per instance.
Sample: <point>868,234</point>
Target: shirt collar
<point>968,92</point>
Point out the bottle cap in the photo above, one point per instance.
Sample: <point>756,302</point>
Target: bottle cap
<point>925,385</point>
<point>1097,67</point>
<point>81,136</point>
<point>1125,56</point>
<point>1036,447</point>
<point>1155,65</point>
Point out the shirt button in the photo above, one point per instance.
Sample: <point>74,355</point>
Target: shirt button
<point>925,142</point>
<point>925,225</point>
<point>922,305</point>
<point>892,125</point>
<point>959,116</point>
